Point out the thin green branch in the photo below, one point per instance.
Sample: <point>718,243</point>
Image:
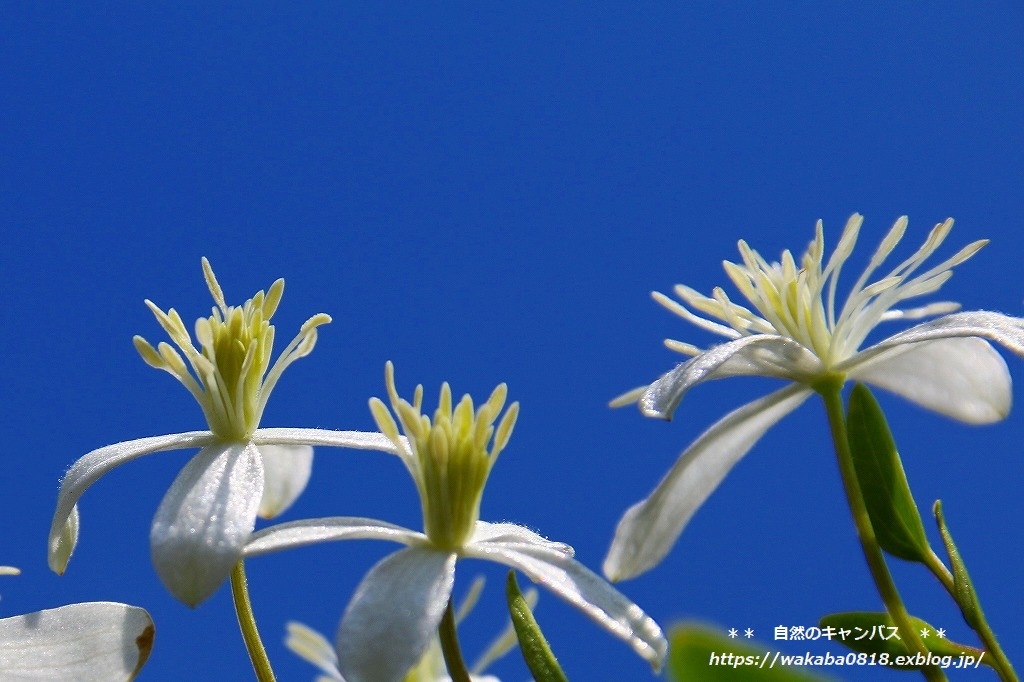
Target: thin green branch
<point>247,624</point>
<point>450,646</point>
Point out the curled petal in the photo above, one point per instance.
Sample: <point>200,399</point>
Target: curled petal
<point>305,532</point>
<point>88,470</point>
<point>205,519</point>
<point>394,614</point>
<point>92,642</point>
<point>761,355</point>
<point>649,528</point>
<point>962,378</point>
<point>584,589</point>
<point>286,470</point>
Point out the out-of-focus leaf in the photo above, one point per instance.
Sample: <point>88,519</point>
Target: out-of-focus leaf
<point>963,589</point>
<point>699,652</point>
<point>536,652</point>
<point>872,632</point>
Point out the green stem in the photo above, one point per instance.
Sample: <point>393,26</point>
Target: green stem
<point>832,395</point>
<point>1001,663</point>
<point>450,646</point>
<point>247,623</point>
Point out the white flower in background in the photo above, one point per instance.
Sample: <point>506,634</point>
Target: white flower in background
<point>394,614</point>
<point>314,647</point>
<point>795,333</point>
<point>209,511</point>
<point>91,642</point>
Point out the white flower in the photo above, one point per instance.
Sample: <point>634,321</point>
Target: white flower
<point>240,470</point>
<point>91,642</point>
<point>945,364</point>
<point>396,609</point>
<point>314,647</point>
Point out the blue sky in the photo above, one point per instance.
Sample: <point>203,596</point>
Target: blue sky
<point>488,194</point>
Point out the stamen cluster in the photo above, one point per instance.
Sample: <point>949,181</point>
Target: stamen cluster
<point>450,460</point>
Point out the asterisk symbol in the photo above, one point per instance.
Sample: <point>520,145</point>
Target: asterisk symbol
<point>924,633</point>
<point>733,633</point>
<point>748,633</point>
<point>941,632</point>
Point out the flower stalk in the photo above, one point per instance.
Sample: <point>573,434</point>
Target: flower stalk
<point>830,390</point>
<point>450,646</point>
<point>247,624</point>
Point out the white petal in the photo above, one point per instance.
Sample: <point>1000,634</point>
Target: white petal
<point>584,589</point>
<point>394,614</point>
<point>760,355</point>
<point>507,533</point>
<point>89,469</point>
<point>286,470</point>
<point>1003,329</point>
<point>206,518</point>
<point>311,531</point>
<point>313,647</point>
<point>962,378</point>
<point>97,641</point>
<point>650,528</point>
<point>358,440</point>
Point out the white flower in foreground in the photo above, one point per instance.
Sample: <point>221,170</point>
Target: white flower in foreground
<point>91,642</point>
<point>794,333</point>
<point>314,647</point>
<point>209,511</point>
<point>395,612</point>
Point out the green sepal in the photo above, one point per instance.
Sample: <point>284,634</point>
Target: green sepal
<point>883,483</point>
<point>536,652</point>
<point>856,623</point>
<point>963,589</point>
<point>692,644</point>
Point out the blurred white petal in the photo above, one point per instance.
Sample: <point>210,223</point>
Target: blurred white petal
<point>313,647</point>
<point>962,378</point>
<point>92,642</point>
<point>650,528</point>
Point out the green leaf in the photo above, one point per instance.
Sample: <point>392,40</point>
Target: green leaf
<point>699,652</point>
<point>536,652</point>
<point>863,631</point>
<point>963,589</point>
<point>883,483</point>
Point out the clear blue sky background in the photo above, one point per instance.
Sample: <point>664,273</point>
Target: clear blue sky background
<point>486,194</point>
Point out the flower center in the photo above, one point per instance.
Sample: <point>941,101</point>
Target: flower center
<point>231,380</point>
<point>800,302</point>
<point>450,459</point>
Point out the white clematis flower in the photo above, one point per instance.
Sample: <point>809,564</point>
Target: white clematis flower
<point>90,642</point>
<point>394,615</point>
<point>794,332</point>
<point>240,470</point>
<point>314,647</point>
